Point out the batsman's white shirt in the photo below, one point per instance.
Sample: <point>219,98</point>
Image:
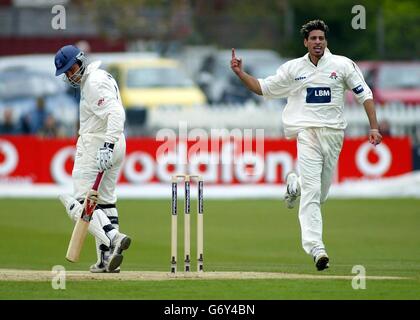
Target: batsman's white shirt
<point>102,118</point>
<point>314,114</point>
<point>315,93</point>
<point>101,110</point>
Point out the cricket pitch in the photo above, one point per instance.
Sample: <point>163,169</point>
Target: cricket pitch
<point>45,275</point>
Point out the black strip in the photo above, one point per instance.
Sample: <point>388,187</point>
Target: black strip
<point>103,247</point>
<point>114,220</point>
<point>207,309</point>
<point>200,196</point>
<point>187,198</point>
<point>108,228</point>
<point>174,198</point>
<point>106,206</point>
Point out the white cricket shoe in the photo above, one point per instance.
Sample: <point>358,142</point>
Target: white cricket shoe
<point>101,265</point>
<point>101,268</point>
<point>322,261</point>
<point>119,243</point>
<point>292,190</point>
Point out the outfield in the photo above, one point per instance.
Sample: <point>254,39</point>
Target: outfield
<point>257,236</point>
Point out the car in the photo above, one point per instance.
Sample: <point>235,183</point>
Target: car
<point>396,81</point>
<point>149,83</point>
<point>21,82</point>
<point>45,62</point>
<point>33,62</point>
<point>220,84</point>
<point>155,82</point>
<point>20,88</point>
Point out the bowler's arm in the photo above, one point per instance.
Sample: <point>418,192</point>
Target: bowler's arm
<point>374,136</point>
<point>250,82</point>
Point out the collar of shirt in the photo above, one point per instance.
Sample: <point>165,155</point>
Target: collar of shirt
<point>91,67</point>
<point>325,56</point>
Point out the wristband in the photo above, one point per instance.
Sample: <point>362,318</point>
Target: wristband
<point>374,130</point>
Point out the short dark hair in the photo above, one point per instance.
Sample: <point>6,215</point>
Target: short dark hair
<point>314,25</point>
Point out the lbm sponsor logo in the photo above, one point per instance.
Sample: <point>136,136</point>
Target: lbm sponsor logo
<point>318,95</point>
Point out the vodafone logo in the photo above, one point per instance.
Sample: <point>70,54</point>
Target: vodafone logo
<point>229,165</point>
<point>378,168</point>
<point>250,167</point>
<point>219,161</point>
<point>147,167</point>
<point>9,158</point>
<point>225,166</point>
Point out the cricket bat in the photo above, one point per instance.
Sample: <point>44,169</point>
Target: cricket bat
<point>81,228</point>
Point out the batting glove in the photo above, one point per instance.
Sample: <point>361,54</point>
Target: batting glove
<point>104,156</point>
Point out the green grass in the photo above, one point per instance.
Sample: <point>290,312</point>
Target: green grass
<point>245,235</point>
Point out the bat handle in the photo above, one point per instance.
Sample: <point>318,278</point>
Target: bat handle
<point>97,181</point>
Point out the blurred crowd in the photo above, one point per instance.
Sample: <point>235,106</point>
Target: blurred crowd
<point>37,121</point>
<point>35,102</point>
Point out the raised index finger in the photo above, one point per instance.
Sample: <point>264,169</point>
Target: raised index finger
<point>233,53</point>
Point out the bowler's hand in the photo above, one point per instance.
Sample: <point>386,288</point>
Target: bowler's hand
<point>235,63</point>
<point>104,156</point>
<point>375,137</point>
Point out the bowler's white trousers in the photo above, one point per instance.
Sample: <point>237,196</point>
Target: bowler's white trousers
<point>318,151</point>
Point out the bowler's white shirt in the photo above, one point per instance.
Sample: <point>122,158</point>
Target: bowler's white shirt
<point>101,110</point>
<point>315,93</point>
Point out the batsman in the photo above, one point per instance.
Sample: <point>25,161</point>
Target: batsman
<point>100,148</point>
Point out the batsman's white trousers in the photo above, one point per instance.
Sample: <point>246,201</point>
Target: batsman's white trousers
<point>318,151</point>
<point>85,168</point>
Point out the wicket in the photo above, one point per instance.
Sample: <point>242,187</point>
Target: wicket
<point>174,232</point>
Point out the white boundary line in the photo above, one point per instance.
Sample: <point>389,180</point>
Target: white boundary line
<point>404,186</point>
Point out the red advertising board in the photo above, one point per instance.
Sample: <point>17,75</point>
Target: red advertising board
<point>360,159</point>
<point>37,160</point>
